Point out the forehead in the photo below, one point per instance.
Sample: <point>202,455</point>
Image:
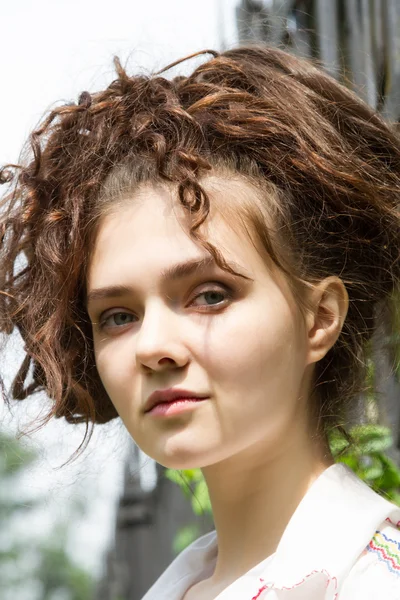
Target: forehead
<point>147,231</point>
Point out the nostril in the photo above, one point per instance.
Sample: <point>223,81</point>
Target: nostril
<point>162,360</point>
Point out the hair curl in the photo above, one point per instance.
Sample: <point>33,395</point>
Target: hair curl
<point>331,163</point>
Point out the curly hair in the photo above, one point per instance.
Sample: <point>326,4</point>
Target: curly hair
<point>325,163</point>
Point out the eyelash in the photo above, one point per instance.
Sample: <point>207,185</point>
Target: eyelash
<point>226,291</point>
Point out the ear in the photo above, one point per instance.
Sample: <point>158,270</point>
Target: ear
<point>330,302</point>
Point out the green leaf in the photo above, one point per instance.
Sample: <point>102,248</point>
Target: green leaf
<point>180,479</point>
<point>189,474</point>
<point>201,500</point>
<point>371,438</point>
<point>337,444</point>
<point>351,461</point>
<point>192,475</point>
<point>173,476</point>
<point>373,472</point>
<point>390,478</point>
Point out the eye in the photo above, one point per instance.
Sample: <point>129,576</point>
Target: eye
<point>123,318</point>
<point>214,297</point>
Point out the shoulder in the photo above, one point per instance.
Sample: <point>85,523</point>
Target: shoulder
<point>194,563</point>
<point>376,574</point>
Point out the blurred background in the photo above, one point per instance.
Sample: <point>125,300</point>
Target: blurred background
<point>106,525</point>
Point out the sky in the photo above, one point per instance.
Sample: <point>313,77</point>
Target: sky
<point>52,50</point>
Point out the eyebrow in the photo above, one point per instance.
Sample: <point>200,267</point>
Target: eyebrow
<point>169,274</point>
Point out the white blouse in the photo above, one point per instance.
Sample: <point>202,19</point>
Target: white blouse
<point>342,543</point>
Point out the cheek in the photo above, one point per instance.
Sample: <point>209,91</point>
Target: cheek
<point>116,372</point>
<point>255,349</point>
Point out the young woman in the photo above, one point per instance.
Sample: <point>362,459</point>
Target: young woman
<point>207,258</point>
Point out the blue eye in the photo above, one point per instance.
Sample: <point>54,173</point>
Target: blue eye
<point>122,316</point>
<point>215,297</point>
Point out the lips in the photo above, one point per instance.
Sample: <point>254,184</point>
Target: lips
<point>170,395</point>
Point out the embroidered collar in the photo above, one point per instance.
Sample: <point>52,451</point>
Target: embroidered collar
<point>328,531</point>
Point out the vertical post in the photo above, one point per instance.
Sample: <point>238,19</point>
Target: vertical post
<point>278,20</point>
<point>391,34</point>
<point>355,45</point>
<point>326,17</point>
<point>370,71</point>
<point>387,385</point>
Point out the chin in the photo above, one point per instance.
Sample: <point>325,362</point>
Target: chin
<point>180,462</point>
<point>183,458</point>
<point>179,452</point>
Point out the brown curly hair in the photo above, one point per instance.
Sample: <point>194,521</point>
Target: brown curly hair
<point>330,165</point>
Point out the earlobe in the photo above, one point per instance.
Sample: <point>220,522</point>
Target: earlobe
<point>325,322</point>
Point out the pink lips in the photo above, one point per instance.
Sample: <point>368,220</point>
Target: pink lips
<point>175,407</point>
<point>172,401</point>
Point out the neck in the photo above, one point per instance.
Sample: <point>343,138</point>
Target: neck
<point>253,497</point>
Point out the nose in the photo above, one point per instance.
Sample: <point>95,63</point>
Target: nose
<point>159,345</point>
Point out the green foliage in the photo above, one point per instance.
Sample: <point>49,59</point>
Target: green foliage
<point>13,456</point>
<point>57,573</point>
<point>30,567</point>
<point>395,337</point>
<point>193,485</point>
<point>367,457</point>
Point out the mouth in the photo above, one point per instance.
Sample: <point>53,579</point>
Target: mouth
<point>171,396</point>
<point>175,407</point>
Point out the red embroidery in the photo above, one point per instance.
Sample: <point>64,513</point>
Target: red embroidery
<point>393,523</point>
<point>260,591</point>
<point>329,580</point>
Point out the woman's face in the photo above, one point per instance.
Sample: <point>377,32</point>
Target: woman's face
<point>241,343</point>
